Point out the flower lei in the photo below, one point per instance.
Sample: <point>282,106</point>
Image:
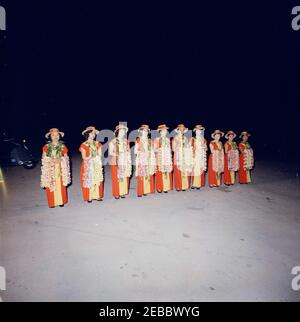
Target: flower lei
<point>48,167</point>
<point>123,159</point>
<point>218,158</point>
<point>92,168</point>
<point>183,155</point>
<point>233,157</point>
<point>248,157</point>
<point>65,170</point>
<point>145,159</point>
<point>199,159</point>
<point>164,156</point>
<point>56,148</point>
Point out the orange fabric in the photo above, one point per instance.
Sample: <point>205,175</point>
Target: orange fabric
<point>202,180</point>
<point>178,180</point>
<point>113,158</point>
<point>140,185</point>
<point>115,181</point>
<point>159,181</point>
<point>50,194</point>
<point>86,191</point>
<point>244,175</point>
<point>212,175</point>
<point>193,142</point>
<point>227,176</point>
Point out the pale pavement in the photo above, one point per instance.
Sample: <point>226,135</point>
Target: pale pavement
<point>236,243</point>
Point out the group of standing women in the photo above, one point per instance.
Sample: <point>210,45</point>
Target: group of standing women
<point>158,162</point>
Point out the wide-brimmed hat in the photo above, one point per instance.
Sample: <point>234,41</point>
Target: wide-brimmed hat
<point>198,127</point>
<point>229,133</point>
<point>54,130</point>
<point>121,126</point>
<point>244,133</point>
<point>144,127</point>
<point>217,132</point>
<point>181,126</point>
<point>90,129</point>
<point>162,127</point>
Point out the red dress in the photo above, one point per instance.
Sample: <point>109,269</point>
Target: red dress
<point>246,162</point>
<point>90,193</point>
<point>52,167</point>
<point>145,166</point>
<point>199,166</point>
<point>164,165</point>
<point>182,162</point>
<point>120,166</point>
<point>215,164</point>
<point>231,164</point>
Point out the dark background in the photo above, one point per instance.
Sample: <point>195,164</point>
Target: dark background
<point>227,65</point>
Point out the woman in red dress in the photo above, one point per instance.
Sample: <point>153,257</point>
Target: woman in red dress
<point>246,158</point>
<point>55,171</point>
<point>231,164</point>
<point>216,160</point>
<point>91,170</point>
<point>182,159</point>
<point>199,146</point>
<point>144,162</point>
<point>164,165</point>
<point>119,151</point>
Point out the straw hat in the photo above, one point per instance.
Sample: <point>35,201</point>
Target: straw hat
<point>181,126</point>
<point>244,133</point>
<point>90,128</point>
<point>198,127</point>
<point>120,126</point>
<point>54,130</point>
<point>217,132</point>
<point>162,127</point>
<point>229,133</point>
<point>144,127</point>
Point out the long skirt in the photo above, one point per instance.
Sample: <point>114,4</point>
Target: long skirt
<point>163,181</point>
<point>181,181</point>
<point>229,175</point>
<point>120,186</point>
<point>214,178</point>
<point>244,175</point>
<point>145,185</point>
<point>59,196</point>
<point>198,181</point>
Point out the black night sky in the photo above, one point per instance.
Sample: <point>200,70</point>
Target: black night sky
<point>71,64</point>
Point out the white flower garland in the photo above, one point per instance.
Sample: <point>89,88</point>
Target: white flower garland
<point>65,170</point>
<point>199,160</point>
<point>93,172</point>
<point>123,159</point>
<point>48,172</point>
<point>183,157</point>
<point>248,158</point>
<point>218,158</point>
<point>164,155</point>
<point>145,159</point>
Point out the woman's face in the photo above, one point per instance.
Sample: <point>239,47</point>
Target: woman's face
<point>163,133</point>
<point>230,137</point>
<point>245,138</point>
<point>92,135</point>
<point>217,136</point>
<point>54,136</point>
